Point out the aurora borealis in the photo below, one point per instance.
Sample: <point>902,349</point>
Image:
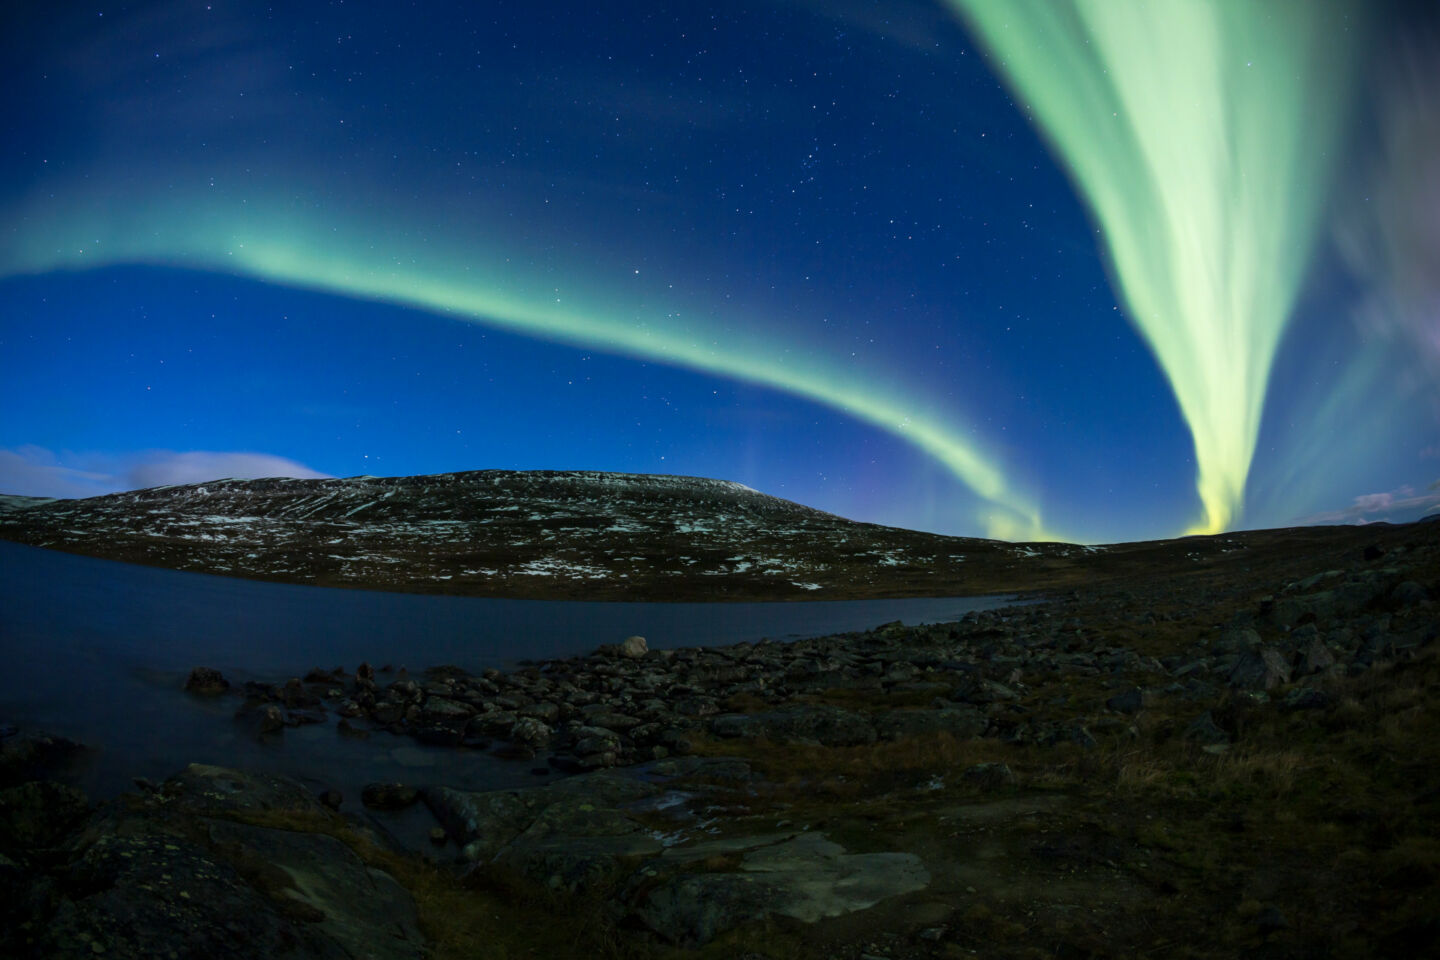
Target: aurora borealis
<point>1202,135</point>
<point>817,248</point>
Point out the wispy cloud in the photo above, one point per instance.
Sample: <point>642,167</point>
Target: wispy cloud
<point>1390,233</point>
<point>32,471</point>
<point>35,471</point>
<point>1395,506</point>
<point>919,26</point>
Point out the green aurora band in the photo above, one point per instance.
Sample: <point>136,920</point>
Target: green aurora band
<point>1200,133</point>
<point>389,256</point>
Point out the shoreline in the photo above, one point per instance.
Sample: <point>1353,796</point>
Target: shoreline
<point>1146,754</point>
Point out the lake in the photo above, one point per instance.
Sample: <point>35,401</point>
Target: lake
<point>98,651</point>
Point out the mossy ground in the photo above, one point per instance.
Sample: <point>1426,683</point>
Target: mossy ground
<point>1314,835</point>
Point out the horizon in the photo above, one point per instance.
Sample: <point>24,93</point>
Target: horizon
<point>899,269</point>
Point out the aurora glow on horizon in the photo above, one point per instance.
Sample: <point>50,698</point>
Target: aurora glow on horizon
<point>865,283</point>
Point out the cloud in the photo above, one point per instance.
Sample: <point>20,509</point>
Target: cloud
<point>1396,506</point>
<point>1390,233</point>
<point>919,26</point>
<point>197,466</point>
<point>34,471</point>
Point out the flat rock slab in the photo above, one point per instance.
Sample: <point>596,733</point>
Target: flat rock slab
<point>807,877</point>
<point>363,910</point>
<point>208,790</point>
<point>174,875</point>
<point>816,878</point>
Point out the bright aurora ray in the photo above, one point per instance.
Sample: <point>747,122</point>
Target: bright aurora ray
<point>1201,135</point>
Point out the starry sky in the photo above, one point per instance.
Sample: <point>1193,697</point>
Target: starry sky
<point>1093,270</point>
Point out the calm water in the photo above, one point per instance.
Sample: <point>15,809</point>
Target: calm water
<point>98,651</point>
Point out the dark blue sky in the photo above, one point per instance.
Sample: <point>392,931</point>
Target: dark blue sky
<point>813,247</point>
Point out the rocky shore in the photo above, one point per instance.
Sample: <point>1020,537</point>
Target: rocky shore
<point>1244,764</point>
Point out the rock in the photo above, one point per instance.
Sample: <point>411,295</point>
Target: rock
<point>963,723</point>
<point>1306,698</point>
<point>574,842</point>
<point>1409,594</point>
<point>388,713</point>
<point>34,756</point>
<point>436,735</point>
<point>497,723</point>
<point>388,796</point>
<point>1189,668</point>
<point>146,894</point>
<point>169,875</point>
<point>732,726</point>
<point>806,877</point>
<point>988,776</point>
<point>677,740</point>
<point>1236,640</point>
<point>206,682</point>
<point>482,823</point>
<point>1128,701</point>
<point>1270,920</point>
<point>438,836</point>
<point>1263,670</point>
<point>544,711</point>
<point>612,721</point>
<point>261,720</point>
<point>346,729</point>
<point>985,692</point>
<point>1075,733</point>
<point>827,726</point>
<point>529,732</point>
<point>439,711</point>
<point>1315,658</point>
<point>332,799</point>
<point>633,648</point>
<point>1293,611</point>
<point>294,695</point>
<point>38,814</point>
<point>208,790</point>
<point>1204,731</point>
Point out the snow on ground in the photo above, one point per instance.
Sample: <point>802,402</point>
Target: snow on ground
<point>552,566</point>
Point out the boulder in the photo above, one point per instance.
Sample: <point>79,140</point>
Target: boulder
<point>988,776</point>
<point>35,755</point>
<point>827,726</point>
<point>388,796</point>
<point>1263,670</point>
<point>440,711</point>
<point>38,814</point>
<point>963,723</point>
<point>261,720</point>
<point>1128,701</point>
<point>206,682</point>
<point>1306,698</point>
<point>1205,731</point>
<point>1409,594</point>
<point>529,732</point>
<point>1314,658</point>
<point>737,726</point>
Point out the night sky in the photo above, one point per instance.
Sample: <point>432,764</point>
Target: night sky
<point>1082,269</point>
